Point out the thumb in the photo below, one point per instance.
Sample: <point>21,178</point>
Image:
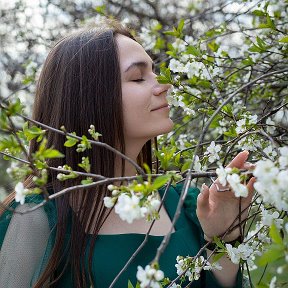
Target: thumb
<point>202,200</point>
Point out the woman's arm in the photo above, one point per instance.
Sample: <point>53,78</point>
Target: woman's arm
<point>227,276</point>
<point>23,247</point>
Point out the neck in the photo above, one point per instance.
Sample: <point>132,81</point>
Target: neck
<point>133,149</point>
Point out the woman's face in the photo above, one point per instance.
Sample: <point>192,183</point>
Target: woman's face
<point>145,108</point>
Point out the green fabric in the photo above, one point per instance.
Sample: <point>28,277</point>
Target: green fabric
<point>111,252</point>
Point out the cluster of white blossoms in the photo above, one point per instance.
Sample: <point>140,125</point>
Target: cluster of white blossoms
<point>212,152</point>
<point>272,180</point>
<point>191,267</point>
<point>243,251</point>
<point>149,277</point>
<point>133,205</point>
<point>255,241</point>
<point>226,175</point>
<point>245,123</point>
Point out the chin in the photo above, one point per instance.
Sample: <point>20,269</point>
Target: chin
<point>168,127</point>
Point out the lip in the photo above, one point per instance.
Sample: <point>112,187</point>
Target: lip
<point>161,107</point>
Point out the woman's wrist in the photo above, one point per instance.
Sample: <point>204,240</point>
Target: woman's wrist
<point>210,245</point>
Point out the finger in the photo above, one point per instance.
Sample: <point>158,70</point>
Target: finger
<point>203,199</point>
<point>250,185</point>
<point>249,166</point>
<point>239,160</point>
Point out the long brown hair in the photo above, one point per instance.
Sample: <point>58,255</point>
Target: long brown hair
<point>80,85</point>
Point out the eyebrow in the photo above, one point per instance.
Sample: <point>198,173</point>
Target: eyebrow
<point>140,64</point>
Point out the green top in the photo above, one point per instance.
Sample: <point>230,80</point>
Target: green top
<point>111,252</point>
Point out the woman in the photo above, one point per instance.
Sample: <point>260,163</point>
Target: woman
<point>102,76</point>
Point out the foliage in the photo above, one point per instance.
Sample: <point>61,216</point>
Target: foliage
<point>228,65</point>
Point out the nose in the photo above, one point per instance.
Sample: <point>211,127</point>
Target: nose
<point>159,89</point>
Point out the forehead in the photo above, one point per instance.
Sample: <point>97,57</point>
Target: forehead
<point>130,51</point>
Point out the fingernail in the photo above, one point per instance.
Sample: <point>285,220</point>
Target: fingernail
<point>246,152</point>
<point>203,186</point>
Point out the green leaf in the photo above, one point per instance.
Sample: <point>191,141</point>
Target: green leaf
<point>213,46</point>
<point>88,180</point>
<point>219,243</point>
<point>193,50</point>
<point>14,108</point>
<point>147,168</point>
<point>217,256</point>
<point>275,252</point>
<point>284,39</point>
<point>71,141</point>
<point>186,165</point>
<point>270,22</point>
<point>130,284</point>
<point>160,181</point>
<point>85,165</point>
<point>100,9</point>
<point>181,26</point>
<point>52,153</point>
<point>259,13</point>
<point>33,132</point>
<point>275,234</point>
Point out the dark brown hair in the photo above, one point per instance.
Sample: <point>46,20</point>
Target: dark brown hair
<point>80,85</point>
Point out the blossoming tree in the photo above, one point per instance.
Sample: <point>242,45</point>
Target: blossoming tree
<point>228,67</point>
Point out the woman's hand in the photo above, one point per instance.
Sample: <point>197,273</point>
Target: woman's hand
<point>217,210</point>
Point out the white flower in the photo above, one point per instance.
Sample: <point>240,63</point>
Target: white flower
<point>246,122</point>
<point>239,189</point>
<point>270,152</point>
<point>108,202</point>
<point>270,129</point>
<point>213,151</point>
<point>197,164</point>
<point>240,126</point>
<point>149,277</point>
<point>268,217</point>
<point>273,282</point>
<point>283,159</point>
<point>265,169</point>
<point>222,174</point>
<point>243,251</point>
<point>20,193</point>
<point>110,187</point>
<point>128,208</point>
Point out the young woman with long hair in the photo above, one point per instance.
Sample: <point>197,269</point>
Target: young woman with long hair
<point>103,76</point>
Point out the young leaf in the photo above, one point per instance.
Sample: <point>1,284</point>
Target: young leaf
<point>160,181</point>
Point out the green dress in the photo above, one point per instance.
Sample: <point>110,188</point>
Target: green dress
<point>111,252</point>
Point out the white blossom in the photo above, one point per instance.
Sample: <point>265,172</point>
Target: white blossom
<point>269,217</point>
<point>190,267</point>
<point>283,159</point>
<point>239,189</point>
<point>149,277</point>
<point>270,152</point>
<point>243,251</point>
<point>128,208</point>
<point>213,151</point>
<point>108,202</point>
<point>20,193</point>
<point>270,128</point>
<point>222,174</point>
<point>272,183</point>
<point>246,122</point>
<point>273,282</point>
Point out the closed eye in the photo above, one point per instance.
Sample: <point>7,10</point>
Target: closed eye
<point>138,80</point>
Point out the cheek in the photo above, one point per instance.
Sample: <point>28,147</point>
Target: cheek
<point>135,113</point>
